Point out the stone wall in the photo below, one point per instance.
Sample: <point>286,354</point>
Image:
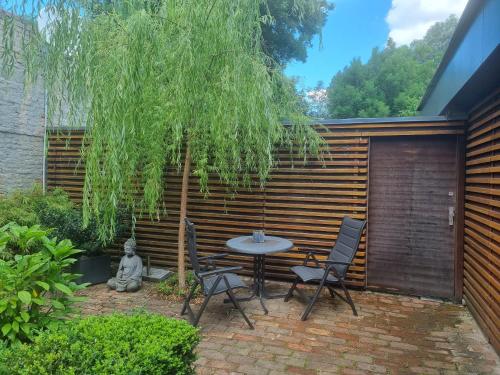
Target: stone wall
<point>21,130</point>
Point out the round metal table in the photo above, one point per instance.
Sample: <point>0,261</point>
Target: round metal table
<point>246,245</point>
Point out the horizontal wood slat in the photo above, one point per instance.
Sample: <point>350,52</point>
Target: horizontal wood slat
<point>482,218</point>
<point>304,202</point>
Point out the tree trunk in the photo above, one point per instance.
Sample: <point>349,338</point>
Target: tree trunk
<point>181,268</point>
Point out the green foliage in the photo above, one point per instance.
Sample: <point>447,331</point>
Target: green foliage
<point>22,207</point>
<point>108,345</point>
<point>147,79</point>
<point>36,289</point>
<point>170,286</point>
<point>393,81</point>
<point>20,240</point>
<point>293,27</point>
<point>56,212</point>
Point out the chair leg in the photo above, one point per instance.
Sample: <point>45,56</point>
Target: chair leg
<point>349,299</point>
<point>229,296</point>
<point>292,288</point>
<point>205,302</point>
<point>188,298</point>
<point>313,300</point>
<point>330,289</point>
<point>237,305</point>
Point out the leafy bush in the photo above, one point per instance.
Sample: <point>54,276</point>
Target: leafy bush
<point>170,286</point>
<point>35,288</point>
<point>53,210</point>
<point>20,240</point>
<point>68,223</point>
<point>19,207</point>
<point>111,344</point>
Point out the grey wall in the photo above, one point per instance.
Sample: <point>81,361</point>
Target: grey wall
<point>21,130</point>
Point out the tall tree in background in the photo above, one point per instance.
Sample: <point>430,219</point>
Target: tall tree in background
<point>294,24</point>
<point>291,26</point>
<point>393,81</point>
<point>154,80</point>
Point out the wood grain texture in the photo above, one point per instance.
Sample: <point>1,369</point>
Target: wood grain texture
<point>412,245</point>
<point>482,217</point>
<point>304,202</point>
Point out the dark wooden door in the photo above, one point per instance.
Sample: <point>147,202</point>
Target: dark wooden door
<point>411,240</point>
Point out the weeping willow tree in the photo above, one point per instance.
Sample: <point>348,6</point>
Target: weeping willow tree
<point>181,83</point>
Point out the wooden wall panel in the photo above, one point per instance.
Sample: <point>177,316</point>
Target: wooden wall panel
<point>482,218</point>
<point>306,203</point>
<point>303,202</point>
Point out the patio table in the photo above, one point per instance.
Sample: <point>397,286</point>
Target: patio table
<point>246,245</point>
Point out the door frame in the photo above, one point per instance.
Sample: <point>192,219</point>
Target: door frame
<point>458,249</point>
<point>460,219</point>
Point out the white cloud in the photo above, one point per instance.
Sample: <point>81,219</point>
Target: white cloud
<point>410,19</point>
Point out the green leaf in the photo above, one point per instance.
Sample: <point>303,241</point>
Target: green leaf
<point>15,326</point>
<point>63,288</point>
<point>6,329</point>
<point>25,297</point>
<point>42,284</point>
<point>25,316</point>
<point>26,328</point>
<point>57,304</point>
<point>39,301</point>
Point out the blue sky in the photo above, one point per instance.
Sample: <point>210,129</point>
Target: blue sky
<point>355,27</point>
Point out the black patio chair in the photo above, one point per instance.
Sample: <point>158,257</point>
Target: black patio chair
<point>332,271</point>
<point>213,280</point>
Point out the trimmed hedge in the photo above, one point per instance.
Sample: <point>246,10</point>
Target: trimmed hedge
<point>115,344</point>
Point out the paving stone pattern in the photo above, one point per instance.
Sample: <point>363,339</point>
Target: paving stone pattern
<point>392,335</point>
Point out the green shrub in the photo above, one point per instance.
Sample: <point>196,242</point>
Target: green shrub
<point>170,286</point>
<point>68,223</point>
<point>111,344</point>
<point>35,288</point>
<point>19,207</point>
<point>54,211</point>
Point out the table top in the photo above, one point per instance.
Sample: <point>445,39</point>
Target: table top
<point>247,245</point>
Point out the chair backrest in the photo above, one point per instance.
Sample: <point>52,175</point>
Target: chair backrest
<point>347,243</point>
<point>191,242</point>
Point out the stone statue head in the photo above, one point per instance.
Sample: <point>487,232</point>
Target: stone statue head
<point>129,247</point>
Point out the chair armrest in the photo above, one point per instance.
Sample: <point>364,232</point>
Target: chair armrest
<point>209,260</point>
<point>219,271</point>
<point>330,267</point>
<point>310,256</point>
<point>315,252</point>
<point>216,256</point>
<point>331,262</point>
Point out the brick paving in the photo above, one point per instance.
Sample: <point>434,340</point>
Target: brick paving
<point>392,335</point>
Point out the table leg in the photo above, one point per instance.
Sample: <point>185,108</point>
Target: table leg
<point>263,289</point>
<point>259,280</point>
<point>258,284</point>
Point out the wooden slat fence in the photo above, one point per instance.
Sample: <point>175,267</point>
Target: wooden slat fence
<point>482,218</point>
<point>303,202</point>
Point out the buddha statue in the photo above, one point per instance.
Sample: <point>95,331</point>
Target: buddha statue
<point>129,275</point>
